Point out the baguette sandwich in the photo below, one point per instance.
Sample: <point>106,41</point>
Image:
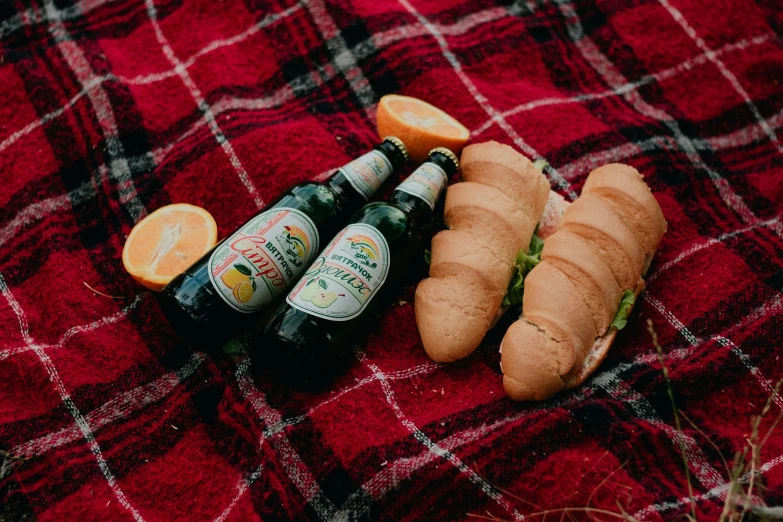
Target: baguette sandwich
<point>491,215</point>
<point>586,282</point>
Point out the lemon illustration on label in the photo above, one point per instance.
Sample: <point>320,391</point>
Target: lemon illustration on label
<point>233,277</point>
<point>241,282</point>
<point>261,259</point>
<point>243,291</point>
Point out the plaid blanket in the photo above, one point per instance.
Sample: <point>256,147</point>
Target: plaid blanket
<point>110,109</point>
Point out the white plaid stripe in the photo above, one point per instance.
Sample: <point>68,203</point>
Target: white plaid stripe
<point>422,369</point>
<point>342,57</point>
<point>677,15</point>
<point>718,491</point>
<point>738,138</point>
<point>744,136</point>
<point>383,39</point>
<point>203,106</point>
<point>390,477</point>
<point>480,98</point>
<point>714,241</point>
<point>87,87</point>
<point>625,88</point>
<point>404,32</point>
<point>616,80</point>
<point>37,211</point>
<point>128,402</point>
<point>695,341</point>
<point>54,377</point>
<point>33,16</point>
<point>290,460</point>
<point>144,79</point>
<point>358,505</point>
<point>381,483</point>
<point>276,99</point>
<point>119,169</point>
<point>242,486</point>
<point>641,407</point>
<point>119,407</point>
<point>19,20</point>
<point>4,354</point>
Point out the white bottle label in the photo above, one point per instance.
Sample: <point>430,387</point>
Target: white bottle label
<point>367,173</point>
<point>261,259</point>
<point>426,183</point>
<point>345,277</point>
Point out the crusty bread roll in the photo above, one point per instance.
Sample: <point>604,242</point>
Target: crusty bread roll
<point>575,257</point>
<point>603,246</point>
<point>593,219</point>
<point>626,192</point>
<point>502,167</point>
<point>491,215</point>
<point>551,296</point>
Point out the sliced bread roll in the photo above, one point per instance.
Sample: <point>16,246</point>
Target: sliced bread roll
<point>601,250</point>
<point>594,220</point>
<point>624,189</point>
<point>455,252</point>
<point>453,314</point>
<point>491,217</point>
<point>500,166</point>
<point>542,361</point>
<point>550,295</point>
<point>576,258</point>
<point>488,215</point>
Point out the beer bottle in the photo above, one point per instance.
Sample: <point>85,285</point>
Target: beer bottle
<point>224,290</point>
<point>310,335</point>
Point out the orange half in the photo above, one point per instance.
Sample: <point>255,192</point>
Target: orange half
<point>419,125</point>
<point>165,243</point>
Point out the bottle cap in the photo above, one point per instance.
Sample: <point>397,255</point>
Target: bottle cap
<point>446,152</point>
<point>397,142</point>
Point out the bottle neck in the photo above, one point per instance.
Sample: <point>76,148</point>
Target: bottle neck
<point>419,193</point>
<point>364,176</point>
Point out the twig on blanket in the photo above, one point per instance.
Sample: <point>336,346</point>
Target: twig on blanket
<point>665,370</point>
<point>101,293</point>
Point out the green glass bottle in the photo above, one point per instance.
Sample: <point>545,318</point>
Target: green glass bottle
<point>223,292</point>
<point>310,335</point>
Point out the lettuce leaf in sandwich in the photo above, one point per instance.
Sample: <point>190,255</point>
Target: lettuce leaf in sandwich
<point>621,318</point>
<point>523,264</point>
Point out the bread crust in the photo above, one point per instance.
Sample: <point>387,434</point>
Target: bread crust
<point>573,255</point>
<point>453,314</point>
<point>602,246</point>
<point>488,215</point>
<point>454,251</point>
<point>490,164</point>
<point>624,189</point>
<point>538,362</point>
<point>491,217</point>
<point>549,294</point>
<point>595,221</point>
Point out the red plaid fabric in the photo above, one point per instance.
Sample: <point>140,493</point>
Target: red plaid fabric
<point>112,108</point>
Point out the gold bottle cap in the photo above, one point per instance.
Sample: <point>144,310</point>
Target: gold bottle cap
<point>397,142</point>
<point>446,152</point>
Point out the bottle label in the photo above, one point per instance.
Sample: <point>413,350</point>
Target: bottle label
<point>345,277</point>
<point>367,173</point>
<point>425,183</point>
<point>261,259</point>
